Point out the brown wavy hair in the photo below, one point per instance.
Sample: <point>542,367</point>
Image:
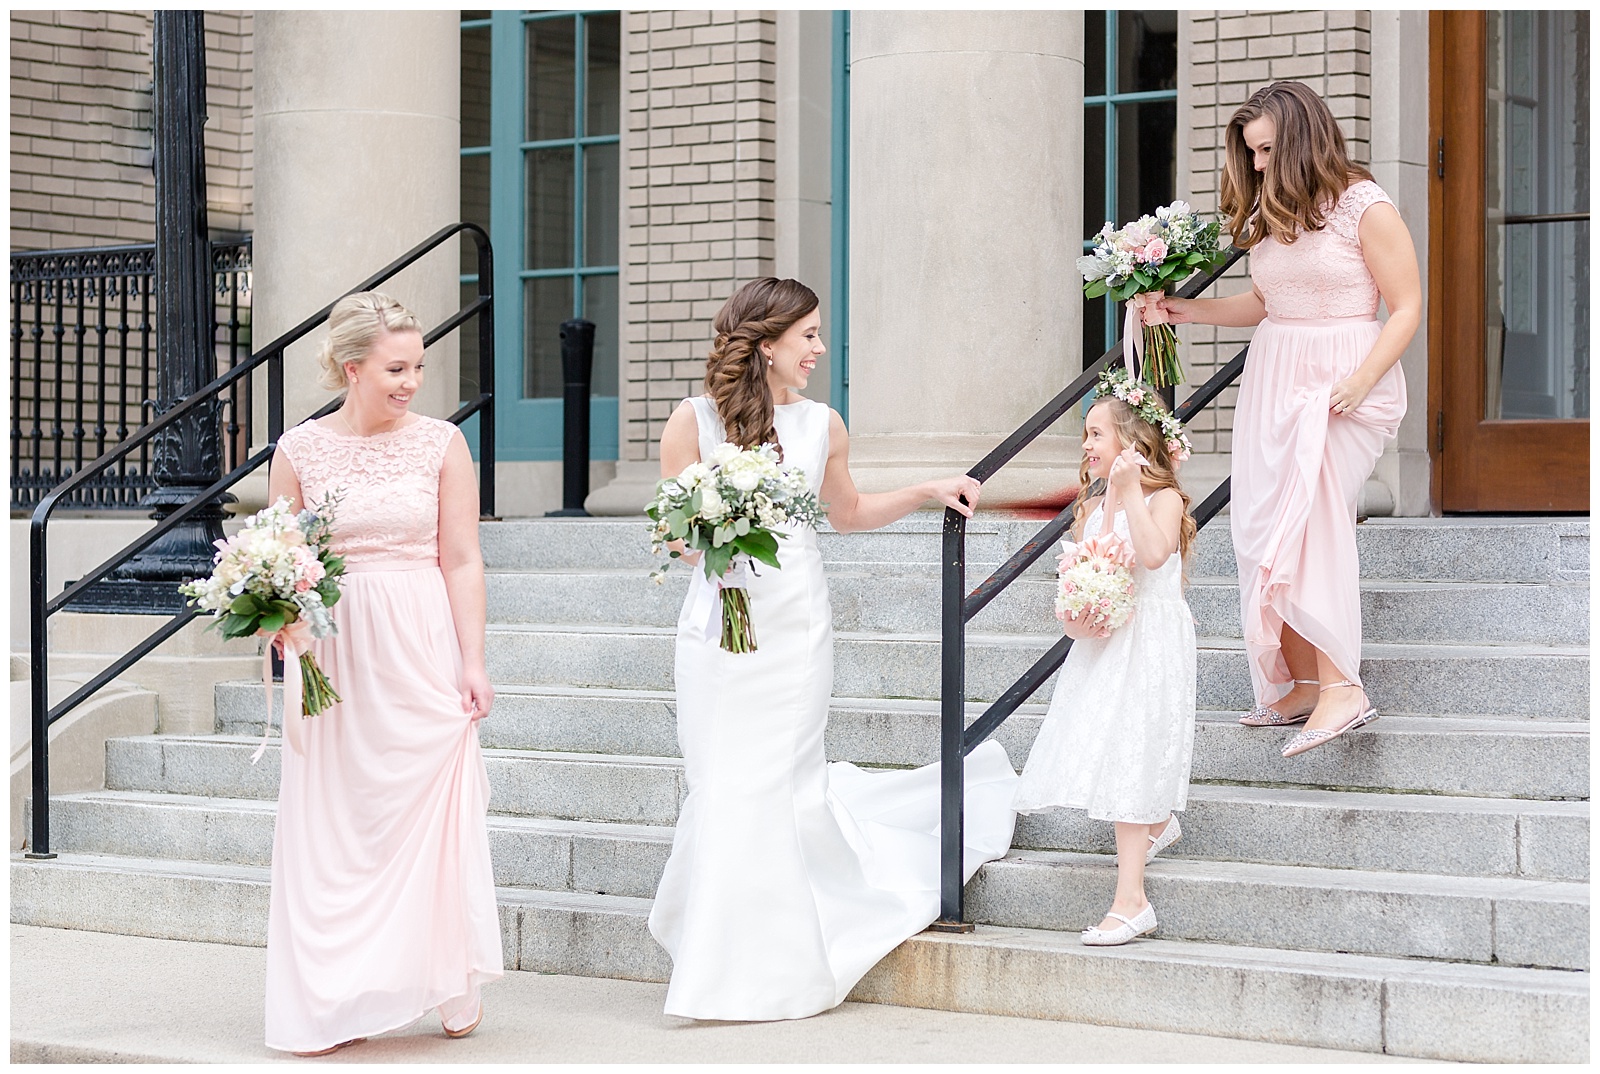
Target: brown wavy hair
<point>736,371</point>
<point>1162,473</point>
<point>1307,171</point>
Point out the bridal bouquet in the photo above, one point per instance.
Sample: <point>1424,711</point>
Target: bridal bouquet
<point>1136,263</point>
<point>1096,578</point>
<point>729,508</point>
<point>277,577</point>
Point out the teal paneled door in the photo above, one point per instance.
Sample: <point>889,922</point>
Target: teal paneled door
<point>541,109</point>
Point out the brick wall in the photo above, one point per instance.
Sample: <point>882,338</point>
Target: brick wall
<point>1230,55</point>
<point>701,151</point>
<point>80,127</point>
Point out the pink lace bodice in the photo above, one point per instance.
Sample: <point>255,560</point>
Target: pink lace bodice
<point>390,509</point>
<point>1322,273</point>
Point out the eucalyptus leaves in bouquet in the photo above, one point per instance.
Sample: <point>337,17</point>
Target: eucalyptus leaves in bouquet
<point>733,509</point>
<point>1138,262</point>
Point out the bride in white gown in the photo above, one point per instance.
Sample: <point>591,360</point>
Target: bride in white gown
<point>790,877</point>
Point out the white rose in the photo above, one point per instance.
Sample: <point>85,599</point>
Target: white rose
<point>723,454</point>
<point>744,479</point>
<point>711,506</point>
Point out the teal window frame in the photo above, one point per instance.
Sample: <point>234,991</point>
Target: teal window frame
<point>1110,99</point>
<point>531,429</point>
<point>839,285</point>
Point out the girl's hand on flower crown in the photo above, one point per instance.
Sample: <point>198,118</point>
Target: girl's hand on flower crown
<point>1125,473</point>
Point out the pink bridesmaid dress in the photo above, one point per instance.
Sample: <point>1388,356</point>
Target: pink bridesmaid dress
<point>383,903</point>
<point>1298,467</point>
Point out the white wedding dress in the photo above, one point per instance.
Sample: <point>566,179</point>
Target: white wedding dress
<point>790,877</point>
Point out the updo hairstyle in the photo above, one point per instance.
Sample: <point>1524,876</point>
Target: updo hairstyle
<point>354,325</point>
<point>736,370</point>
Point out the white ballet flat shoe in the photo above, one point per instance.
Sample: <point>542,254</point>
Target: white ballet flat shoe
<point>1169,835</point>
<point>1142,922</point>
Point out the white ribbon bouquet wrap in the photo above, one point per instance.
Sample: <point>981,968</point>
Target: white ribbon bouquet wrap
<point>733,509</point>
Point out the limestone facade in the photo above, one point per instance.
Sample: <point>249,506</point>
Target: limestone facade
<point>725,144</point>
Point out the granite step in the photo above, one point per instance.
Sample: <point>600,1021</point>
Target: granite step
<point>1455,680</point>
<point>1545,759</point>
<point>1284,825</point>
<point>1491,549</point>
<point>864,600</point>
<point>1498,920</point>
<point>1394,1005</point>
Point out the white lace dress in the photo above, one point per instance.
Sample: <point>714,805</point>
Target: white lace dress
<point>1119,735</point>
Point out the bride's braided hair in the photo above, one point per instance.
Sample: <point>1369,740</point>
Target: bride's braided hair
<point>736,370</point>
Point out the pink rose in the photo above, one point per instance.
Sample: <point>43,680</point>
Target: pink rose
<point>1155,250</point>
<point>302,586</point>
<point>1136,396</point>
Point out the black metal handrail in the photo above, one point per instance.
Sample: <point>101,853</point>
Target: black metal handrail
<point>83,366</point>
<point>956,739</point>
<point>270,357</point>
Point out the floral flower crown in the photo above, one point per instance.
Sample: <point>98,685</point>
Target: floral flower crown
<point>1114,381</point>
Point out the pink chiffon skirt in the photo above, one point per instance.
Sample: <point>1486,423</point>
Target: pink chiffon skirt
<point>1297,471</point>
<point>383,903</point>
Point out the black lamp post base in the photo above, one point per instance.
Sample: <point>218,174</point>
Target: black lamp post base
<point>148,584</point>
<point>567,512</point>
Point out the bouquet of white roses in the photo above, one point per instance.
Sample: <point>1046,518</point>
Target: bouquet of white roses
<point>1096,579</point>
<point>1140,260</point>
<point>277,577</point>
<point>730,509</point>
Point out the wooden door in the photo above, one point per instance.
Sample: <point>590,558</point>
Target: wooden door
<point>1509,261</point>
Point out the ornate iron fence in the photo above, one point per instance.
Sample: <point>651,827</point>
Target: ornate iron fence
<point>83,366</point>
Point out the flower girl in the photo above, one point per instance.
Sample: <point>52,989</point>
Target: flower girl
<point>1119,734</point>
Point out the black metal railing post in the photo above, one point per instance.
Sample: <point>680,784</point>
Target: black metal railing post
<point>486,414</point>
<point>577,370</point>
<point>956,740</point>
<point>952,708</point>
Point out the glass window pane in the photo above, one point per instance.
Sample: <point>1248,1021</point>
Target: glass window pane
<point>1094,169</point>
<point>551,51</point>
<point>1537,165</point>
<point>1094,53</point>
<point>600,306</point>
<point>475,87</point>
<point>1147,51</point>
<point>547,302</point>
<point>474,205</point>
<point>600,204</point>
<point>1146,157</point>
<point>550,208</point>
<point>603,79</point>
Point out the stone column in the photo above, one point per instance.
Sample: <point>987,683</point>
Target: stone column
<point>1401,154</point>
<point>965,212</point>
<point>357,132</point>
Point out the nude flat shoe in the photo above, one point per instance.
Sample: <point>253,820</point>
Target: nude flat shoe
<point>1267,716</point>
<point>459,1033</point>
<point>1310,740</point>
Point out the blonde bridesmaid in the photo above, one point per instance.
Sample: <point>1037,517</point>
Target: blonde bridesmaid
<point>383,905</point>
<point>1321,393</point>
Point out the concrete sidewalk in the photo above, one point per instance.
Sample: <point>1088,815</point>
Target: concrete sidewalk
<point>96,997</point>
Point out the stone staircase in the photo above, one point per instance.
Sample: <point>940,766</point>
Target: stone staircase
<point>1420,888</point>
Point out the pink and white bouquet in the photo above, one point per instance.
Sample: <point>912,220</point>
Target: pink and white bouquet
<point>1136,263</point>
<point>730,508</point>
<point>1096,579</point>
<point>276,578</point>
